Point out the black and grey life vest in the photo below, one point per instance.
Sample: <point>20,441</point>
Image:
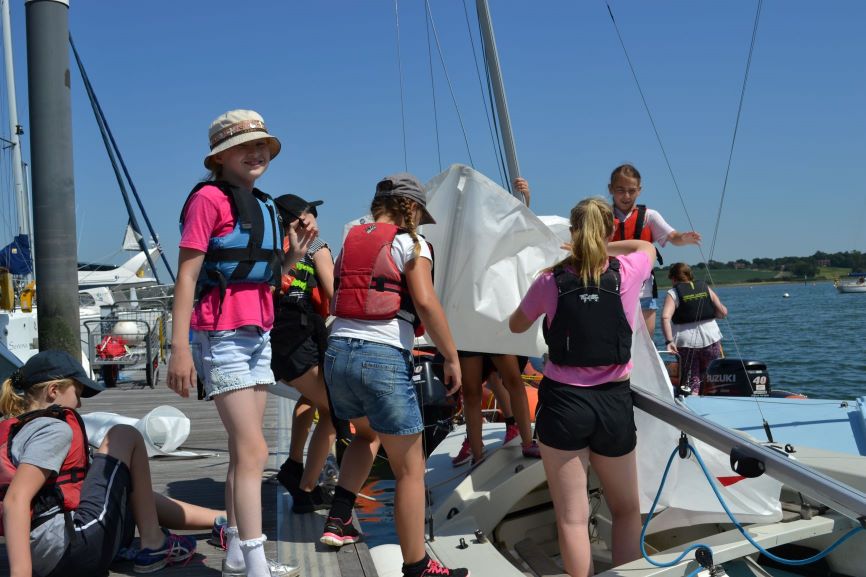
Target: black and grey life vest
<point>251,252</point>
<point>695,303</point>
<point>590,328</point>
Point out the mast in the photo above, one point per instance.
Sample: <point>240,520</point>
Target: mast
<point>498,87</point>
<point>15,130</point>
<point>53,185</point>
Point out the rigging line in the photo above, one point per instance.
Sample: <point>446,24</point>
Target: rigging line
<point>402,98</point>
<point>654,127</point>
<point>433,89</point>
<point>497,148</point>
<point>104,123</point>
<point>450,85</point>
<point>736,125</point>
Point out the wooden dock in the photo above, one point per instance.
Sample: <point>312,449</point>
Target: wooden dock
<point>291,538</point>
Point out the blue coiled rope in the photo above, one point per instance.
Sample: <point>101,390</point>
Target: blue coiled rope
<point>736,523</point>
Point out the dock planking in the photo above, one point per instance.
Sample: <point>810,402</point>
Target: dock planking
<point>201,481</point>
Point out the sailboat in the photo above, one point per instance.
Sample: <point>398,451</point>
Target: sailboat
<point>496,517</point>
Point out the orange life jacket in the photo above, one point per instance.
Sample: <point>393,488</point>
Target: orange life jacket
<point>61,493</point>
<point>633,227</point>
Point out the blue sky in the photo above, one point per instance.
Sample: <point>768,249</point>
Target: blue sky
<point>325,77</point>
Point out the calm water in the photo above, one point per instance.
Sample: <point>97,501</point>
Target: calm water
<point>813,342</point>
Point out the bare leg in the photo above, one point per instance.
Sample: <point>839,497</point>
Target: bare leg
<point>174,514</point>
<point>242,413</point>
<point>471,369</point>
<point>359,455</point>
<point>511,377</point>
<point>566,478</point>
<point>503,400</point>
<point>125,444</point>
<point>312,385</point>
<point>407,462</point>
<point>649,317</point>
<point>302,420</point>
<point>618,476</point>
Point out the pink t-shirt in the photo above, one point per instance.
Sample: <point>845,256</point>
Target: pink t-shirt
<point>210,214</point>
<point>542,300</point>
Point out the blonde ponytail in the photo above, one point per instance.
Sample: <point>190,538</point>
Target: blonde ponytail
<point>591,227</point>
<point>14,401</point>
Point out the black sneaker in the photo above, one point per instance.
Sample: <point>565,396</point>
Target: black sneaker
<point>309,501</point>
<point>337,533</point>
<point>436,569</point>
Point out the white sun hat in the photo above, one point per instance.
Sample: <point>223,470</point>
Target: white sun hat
<point>237,127</point>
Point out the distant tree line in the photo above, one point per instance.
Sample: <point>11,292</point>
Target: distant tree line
<point>798,266</point>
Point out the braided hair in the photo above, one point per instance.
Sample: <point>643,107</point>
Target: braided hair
<point>400,209</point>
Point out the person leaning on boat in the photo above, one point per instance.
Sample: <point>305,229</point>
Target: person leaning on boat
<point>585,414</point>
<point>689,325</point>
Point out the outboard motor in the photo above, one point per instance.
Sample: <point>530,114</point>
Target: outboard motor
<point>437,408</point>
<point>736,378</point>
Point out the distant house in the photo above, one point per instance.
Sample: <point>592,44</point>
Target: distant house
<point>739,265</point>
<point>822,262</point>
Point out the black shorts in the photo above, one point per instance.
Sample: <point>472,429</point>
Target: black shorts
<point>298,340</point>
<point>103,522</point>
<point>289,366</point>
<point>571,418</point>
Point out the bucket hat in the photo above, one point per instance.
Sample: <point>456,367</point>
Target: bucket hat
<point>51,366</point>
<point>405,185</point>
<point>293,206</point>
<point>237,127</point>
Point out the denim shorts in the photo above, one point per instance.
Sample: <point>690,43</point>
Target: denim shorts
<point>373,380</point>
<point>649,304</point>
<point>232,360</point>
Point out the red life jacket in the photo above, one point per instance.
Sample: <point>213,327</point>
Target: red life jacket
<point>633,226</point>
<point>367,283</point>
<point>61,493</point>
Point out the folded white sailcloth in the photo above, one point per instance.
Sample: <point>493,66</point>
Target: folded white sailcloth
<point>164,429</point>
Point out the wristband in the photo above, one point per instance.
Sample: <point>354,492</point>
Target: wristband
<point>668,342</point>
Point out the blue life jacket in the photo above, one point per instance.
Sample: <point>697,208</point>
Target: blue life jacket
<point>252,252</point>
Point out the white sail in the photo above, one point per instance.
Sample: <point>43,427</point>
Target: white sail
<point>131,239</point>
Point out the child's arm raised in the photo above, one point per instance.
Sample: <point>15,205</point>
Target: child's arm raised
<point>624,247</point>
<point>681,238</point>
<point>16,516</point>
<point>419,277</point>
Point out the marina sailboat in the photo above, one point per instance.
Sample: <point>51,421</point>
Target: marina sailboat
<point>714,500</point>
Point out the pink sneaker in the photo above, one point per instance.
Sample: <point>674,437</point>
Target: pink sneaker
<point>464,456</point>
<point>532,450</point>
<point>511,431</point>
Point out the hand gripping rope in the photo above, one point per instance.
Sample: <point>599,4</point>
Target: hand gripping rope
<point>703,553</point>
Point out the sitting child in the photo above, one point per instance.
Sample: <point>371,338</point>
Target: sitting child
<point>63,512</point>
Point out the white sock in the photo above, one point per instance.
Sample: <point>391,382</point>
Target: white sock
<point>234,557</point>
<point>254,557</point>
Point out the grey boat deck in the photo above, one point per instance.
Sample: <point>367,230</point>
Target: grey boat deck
<point>202,480</point>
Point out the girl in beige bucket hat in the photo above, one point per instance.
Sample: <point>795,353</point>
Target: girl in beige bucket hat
<point>231,258</point>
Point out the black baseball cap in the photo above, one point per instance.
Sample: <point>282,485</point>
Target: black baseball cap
<point>293,206</point>
<point>52,366</point>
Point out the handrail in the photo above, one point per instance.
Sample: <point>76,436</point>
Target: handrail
<point>831,492</point>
